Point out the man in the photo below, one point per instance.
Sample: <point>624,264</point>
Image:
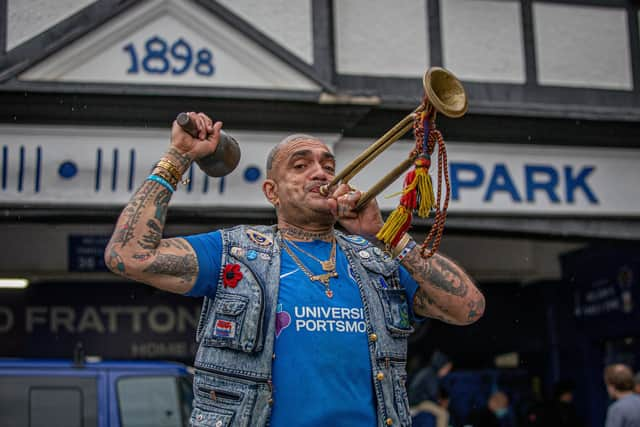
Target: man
<point>301,324</point>
<point>625,411</point>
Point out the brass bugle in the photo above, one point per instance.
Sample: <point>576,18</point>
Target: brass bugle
<point>444,93</point>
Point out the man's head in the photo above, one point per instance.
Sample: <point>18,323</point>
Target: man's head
<point>498,403</point>
<point>296,169</point>
<point>619,380</point>
<point>563,391</point>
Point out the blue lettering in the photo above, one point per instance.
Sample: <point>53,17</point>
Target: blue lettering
<point>501,181</point>
<point>579,181</point>
<point>547,184</point>
<point>457,182</point>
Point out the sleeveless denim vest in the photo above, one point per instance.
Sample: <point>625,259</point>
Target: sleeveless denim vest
<point>236,331</point>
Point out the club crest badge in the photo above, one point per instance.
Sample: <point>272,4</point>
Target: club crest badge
<point>259,238</point>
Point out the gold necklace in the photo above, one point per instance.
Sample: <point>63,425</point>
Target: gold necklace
<point>322,278</point>
<point>328,265</point>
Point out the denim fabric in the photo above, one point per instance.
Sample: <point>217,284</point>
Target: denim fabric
<point>236,332</point>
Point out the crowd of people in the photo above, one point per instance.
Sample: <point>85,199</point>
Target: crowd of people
<point>430,401</point>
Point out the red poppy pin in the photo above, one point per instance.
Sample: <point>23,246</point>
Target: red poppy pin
<point>231,275</point>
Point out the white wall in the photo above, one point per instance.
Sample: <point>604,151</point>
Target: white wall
<point>582,46</point>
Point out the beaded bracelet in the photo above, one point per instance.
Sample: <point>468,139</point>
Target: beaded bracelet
<point>160,180</point>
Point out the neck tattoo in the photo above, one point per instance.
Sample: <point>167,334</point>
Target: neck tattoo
<point>298,233</point>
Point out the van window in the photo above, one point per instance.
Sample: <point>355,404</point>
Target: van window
<point>149,402</point>
<point>55,407</point>
<point>48,400</point>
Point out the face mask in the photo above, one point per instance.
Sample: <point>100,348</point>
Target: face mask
<point>502,412</point>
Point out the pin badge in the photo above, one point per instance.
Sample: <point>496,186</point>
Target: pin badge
<point>259,238</point>
<point>364,254</point>
<point>377,251</point>
<point>251,255</point>
<point>237,252</point>
<point>358,240</point>
<point>264,256</point>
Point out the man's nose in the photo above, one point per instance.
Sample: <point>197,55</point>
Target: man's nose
<point>319,172</point>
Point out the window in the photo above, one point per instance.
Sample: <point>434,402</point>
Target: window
<point>150,402</point>
<point>55,407</point>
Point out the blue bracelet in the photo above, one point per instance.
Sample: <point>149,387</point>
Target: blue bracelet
<point>160,180</point>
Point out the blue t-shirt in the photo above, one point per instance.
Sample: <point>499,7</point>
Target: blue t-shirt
<point>321,371</point>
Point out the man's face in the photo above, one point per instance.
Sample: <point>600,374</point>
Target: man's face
<point>298,171</point>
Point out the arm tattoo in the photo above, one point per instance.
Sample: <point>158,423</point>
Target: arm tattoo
<point>446,276</point>
<point>134,211</point>
<point>438,271</point>
<point>184,267</point>
<point>180,158</point>
<point>175,243</point>
<point>152,238</point>
<point>445,290</point>
<point>476,308</point>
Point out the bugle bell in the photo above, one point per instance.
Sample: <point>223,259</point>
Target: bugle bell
<point>444,94</point>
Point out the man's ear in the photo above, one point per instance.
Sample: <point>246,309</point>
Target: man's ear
<point>270,190</point>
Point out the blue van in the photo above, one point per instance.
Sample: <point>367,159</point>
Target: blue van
<point>58,393</point>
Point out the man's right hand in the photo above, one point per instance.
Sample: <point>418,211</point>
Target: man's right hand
<point>196,148</point>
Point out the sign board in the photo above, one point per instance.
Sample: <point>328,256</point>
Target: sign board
<point>86,253</point>
<point>103,166</point>
<point>112,320</point>
<point>606,286</point>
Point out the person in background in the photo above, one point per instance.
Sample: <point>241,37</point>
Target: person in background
<point>636,380</point>
<point>426,382</point>
<point>432,414</point>
<point>625,411</point>
<point>496,409</point>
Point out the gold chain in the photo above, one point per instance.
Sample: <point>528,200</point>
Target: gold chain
<point>322,278</point>
<point>328,265</point>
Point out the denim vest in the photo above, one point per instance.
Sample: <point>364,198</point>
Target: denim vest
<point>236,331</point>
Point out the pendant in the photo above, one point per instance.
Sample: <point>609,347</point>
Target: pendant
<point>328,265</point>
<point>329,293</point>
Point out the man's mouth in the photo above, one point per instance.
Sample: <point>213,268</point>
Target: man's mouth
<point>315,188</point>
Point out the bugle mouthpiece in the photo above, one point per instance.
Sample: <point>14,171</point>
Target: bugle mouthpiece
<point>324,190</point>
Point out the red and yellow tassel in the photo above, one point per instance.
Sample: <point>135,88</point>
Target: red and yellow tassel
<point>417,193</point>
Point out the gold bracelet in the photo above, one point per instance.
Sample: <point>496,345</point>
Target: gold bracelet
<point>170,167</point>
<point>166,175</point>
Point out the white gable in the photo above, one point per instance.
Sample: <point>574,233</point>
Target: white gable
<point>169,42</point>
<point>28,18</point>
<point>290,23</point>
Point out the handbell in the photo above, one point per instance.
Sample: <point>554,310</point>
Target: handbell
<point>226,156</point>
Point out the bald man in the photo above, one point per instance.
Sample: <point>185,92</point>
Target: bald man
<point>301,324</point>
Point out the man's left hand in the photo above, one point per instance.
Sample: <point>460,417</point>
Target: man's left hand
<point>366,222</point>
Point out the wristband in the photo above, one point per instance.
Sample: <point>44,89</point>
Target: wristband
<point>160,180</point>
<point>404,246</point>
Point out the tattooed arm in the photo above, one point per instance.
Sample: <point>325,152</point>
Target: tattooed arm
<point>136,249</point>
<point>446,292</point>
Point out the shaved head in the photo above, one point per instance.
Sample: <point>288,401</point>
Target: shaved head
<point>286,141</point>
